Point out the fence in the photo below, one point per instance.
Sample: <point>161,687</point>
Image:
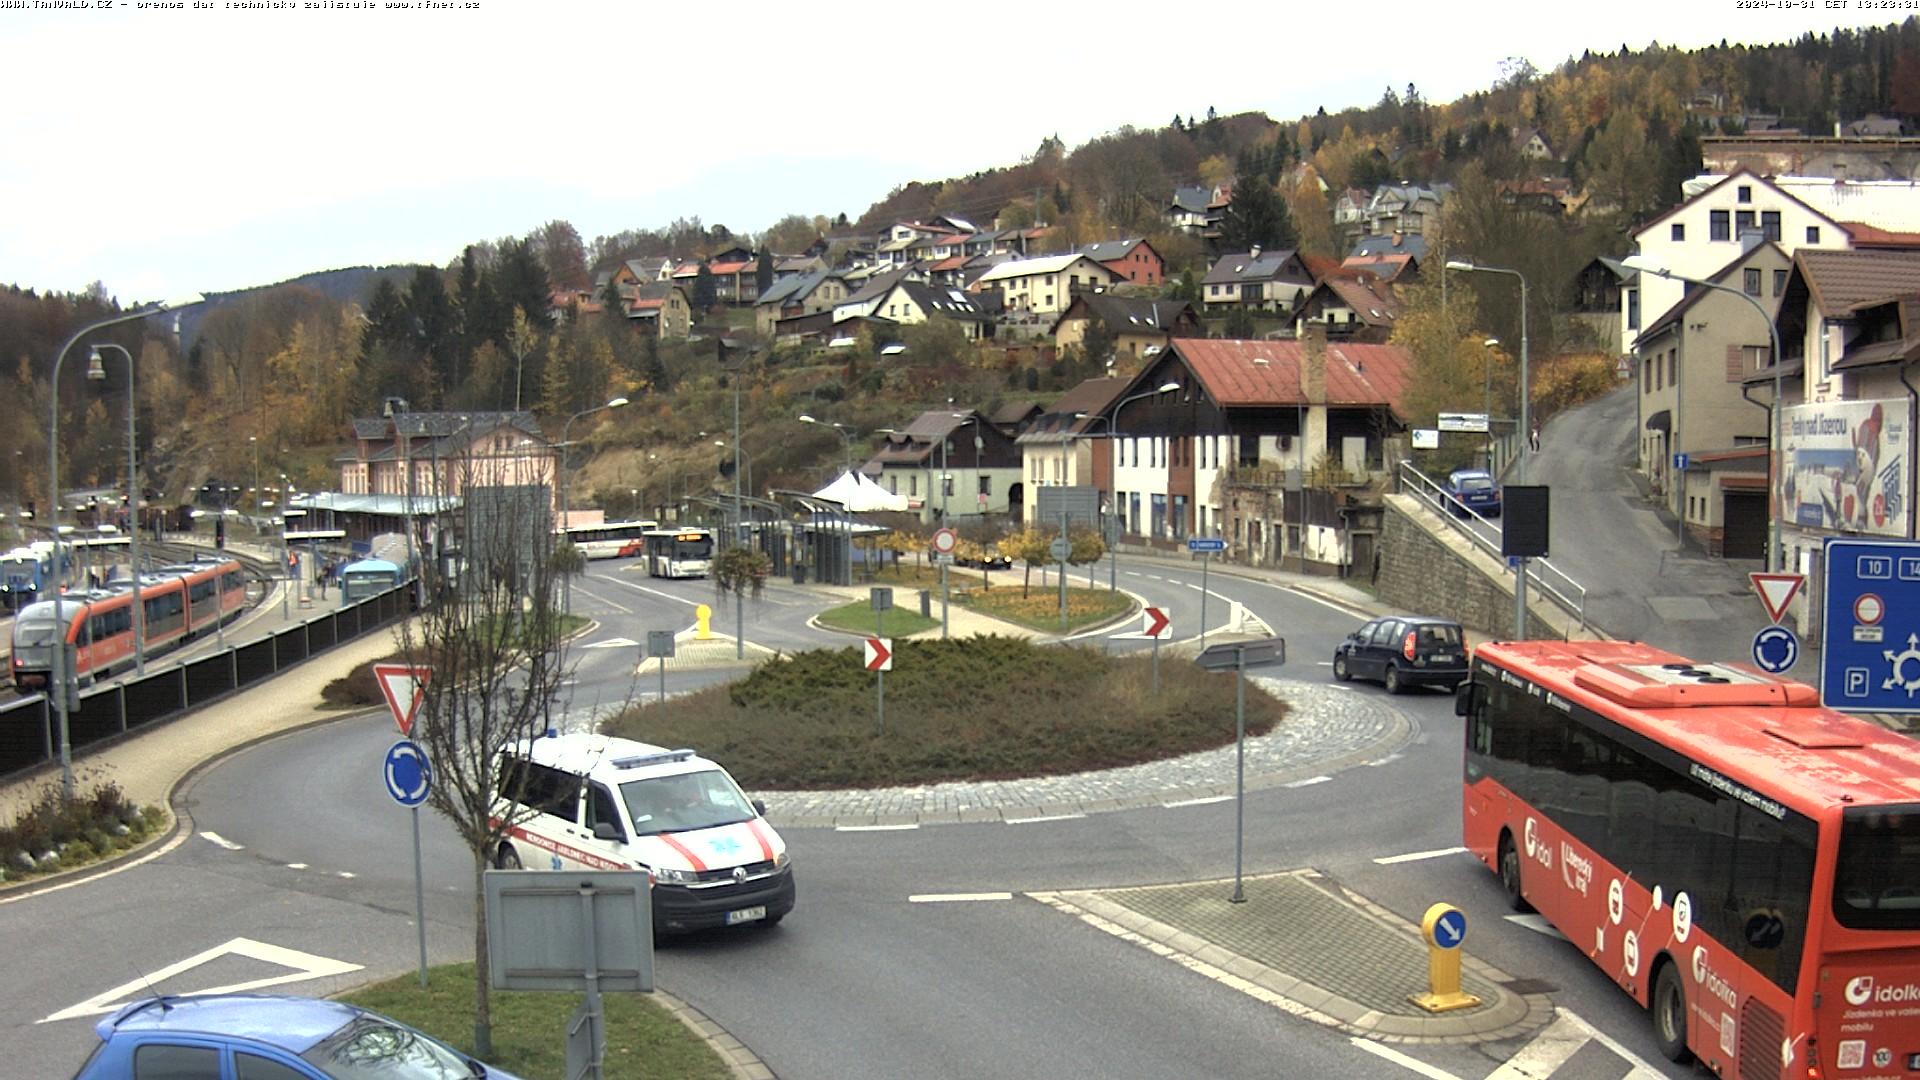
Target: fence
<point>27,727</point>
<point>1544,578</point>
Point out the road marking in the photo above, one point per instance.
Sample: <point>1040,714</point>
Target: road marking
<point>598,599</point>
<point>655,592</point>
<point>1536,923</point>
<point>1049,817</point>
<point>305,965</point>
<point>1416,856</point>
<point>1323,663</point>
<point>1557,1044</point>
<point>877,828</point>
<point>1198,802</point>
<point>1388,760</point>
<point>1388,1053</point>
<point>347,873</point>
<point>613,643</point>
<point>216,838</point>
<point>1309,781</point>
<point>296,866</point>
<point>957,897</point>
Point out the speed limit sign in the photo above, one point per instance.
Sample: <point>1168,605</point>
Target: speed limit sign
<point>944,541</point>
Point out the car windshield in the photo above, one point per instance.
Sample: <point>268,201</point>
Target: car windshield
<point>685,802</point>
<point>1876,882</point>
<point>1473,483</point>
<point>372,1048</point>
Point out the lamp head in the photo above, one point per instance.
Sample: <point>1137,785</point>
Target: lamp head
<point>1460,264</point>
<point>1491,342</point>
<point>1167,388</point>
<point>616,403</point>
<point>805,419</point>
<point>96,367</point>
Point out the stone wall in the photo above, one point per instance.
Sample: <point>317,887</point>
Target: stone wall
<point>1427,573</point>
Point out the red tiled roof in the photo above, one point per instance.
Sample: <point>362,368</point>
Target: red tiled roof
<point>1874,236</point>
<point>1320,266</point>
<point>728,267</point>
<point>1356,374</point>
<point>639,305</point>
<point>951,262</point>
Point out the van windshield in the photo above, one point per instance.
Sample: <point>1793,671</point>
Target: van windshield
<point>683,803</point>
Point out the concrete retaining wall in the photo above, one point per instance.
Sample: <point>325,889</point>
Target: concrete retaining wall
<point>1427,568</point>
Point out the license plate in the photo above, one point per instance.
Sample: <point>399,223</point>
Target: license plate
<point>750,914</point>
<point>1442,658</point>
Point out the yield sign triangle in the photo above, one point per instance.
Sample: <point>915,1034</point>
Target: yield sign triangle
<point>1776,591</point>
<point>403,686</point>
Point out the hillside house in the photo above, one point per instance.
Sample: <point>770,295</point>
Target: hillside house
<point>1270,281</point>
<point>1139,327</point>
<point>1133,261</point>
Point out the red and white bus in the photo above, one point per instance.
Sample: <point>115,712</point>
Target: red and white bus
<point>1742,861</point>
<point>180,602</point>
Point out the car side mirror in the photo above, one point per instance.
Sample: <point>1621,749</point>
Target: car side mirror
<point>760,807</point>
<point>607,830</point>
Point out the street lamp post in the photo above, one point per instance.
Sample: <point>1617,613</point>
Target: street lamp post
<point>97,371</point>
<point>254,441</point>
<point>838,430</point>
<point>1776,556</point>
<point>58,671</point>
<point>566,606</point>
<point>1486,392</point>
<point>1526,432</point>
<point>1113,475</point>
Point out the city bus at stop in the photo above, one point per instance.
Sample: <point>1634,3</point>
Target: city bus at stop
<point>678,553</point>
<point>1743,861</point>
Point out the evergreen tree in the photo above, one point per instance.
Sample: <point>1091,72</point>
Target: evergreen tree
<point>704,292</point>
<point>521,281</point>
<point>763,272</point>
<point>1257,217</point>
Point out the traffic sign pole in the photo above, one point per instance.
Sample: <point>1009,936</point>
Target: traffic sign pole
<point>419,898</point>
<point>409,778</point>
<point>1205,559</point>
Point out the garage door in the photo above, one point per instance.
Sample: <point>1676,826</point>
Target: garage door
<point>1745,535</point>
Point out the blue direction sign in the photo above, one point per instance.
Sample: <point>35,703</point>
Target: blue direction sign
<point>1206,543</point>
<point>1870,626</point>
<point>1450,929</point>
<point>1775,649</point>
<point>407,773</point>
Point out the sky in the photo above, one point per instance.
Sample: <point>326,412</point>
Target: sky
<point>232,143</point>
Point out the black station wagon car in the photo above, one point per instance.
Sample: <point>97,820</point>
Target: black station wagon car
<point>1402,651</point>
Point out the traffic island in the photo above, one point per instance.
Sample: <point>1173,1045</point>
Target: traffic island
<point>1303,943</point>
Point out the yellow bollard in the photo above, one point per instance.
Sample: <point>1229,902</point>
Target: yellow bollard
<point>703,617</point>
<point>1445,929</point>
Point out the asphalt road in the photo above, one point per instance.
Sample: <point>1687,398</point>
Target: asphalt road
<point>294,844</point>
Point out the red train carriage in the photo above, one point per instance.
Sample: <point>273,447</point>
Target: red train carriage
<point>180,602</point>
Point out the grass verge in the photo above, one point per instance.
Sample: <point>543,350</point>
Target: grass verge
<point>1039,608</point>
<point>858,617</point>
<point>975,708</point>
<point>530,1029</point>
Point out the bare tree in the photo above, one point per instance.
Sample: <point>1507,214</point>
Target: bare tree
<point>496,643</point>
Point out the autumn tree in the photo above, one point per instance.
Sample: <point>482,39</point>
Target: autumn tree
<point>558,247</point>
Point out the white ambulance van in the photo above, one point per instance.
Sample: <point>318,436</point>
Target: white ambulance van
<point>585,801</point>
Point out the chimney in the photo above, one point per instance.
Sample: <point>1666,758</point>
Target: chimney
<point>1750,239</point>
<point>1254,252</point>
<point>1313,365</point>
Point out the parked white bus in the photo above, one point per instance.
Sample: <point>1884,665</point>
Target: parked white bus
<point>676,553</point>
<point>610,539</point>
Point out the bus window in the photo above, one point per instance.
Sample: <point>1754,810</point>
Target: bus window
<point>1876,883</point>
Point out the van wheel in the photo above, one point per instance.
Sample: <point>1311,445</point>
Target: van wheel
<point>1510,874</point>
<point>1392,680</point>
<point>1669,1008</point>
<point>507,859</point>
<point>1340,668</point>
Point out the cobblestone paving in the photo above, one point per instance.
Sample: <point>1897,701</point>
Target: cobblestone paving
<point>1293,925</point>
<point>1329,728</point>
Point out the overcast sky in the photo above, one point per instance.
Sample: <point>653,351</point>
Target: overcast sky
<point>172,151</point>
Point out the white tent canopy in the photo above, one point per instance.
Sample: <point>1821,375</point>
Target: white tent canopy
<point>860,494</point>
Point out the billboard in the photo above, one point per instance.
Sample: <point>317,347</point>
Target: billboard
<point>1846,465</point>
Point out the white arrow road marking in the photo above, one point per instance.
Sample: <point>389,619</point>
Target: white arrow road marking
<point>1416,856</point>
<point>216,838</point>
<point>613,643</point>
<point>1309,781</point>
<point>906,827</point>
<point>956,898</point>
<point>1198,802</point>
<point>1381,1050</point>
<point>1537,924</point>
<point>305,966</point>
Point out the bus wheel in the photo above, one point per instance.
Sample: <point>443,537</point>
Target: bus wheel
<point>507,859</point>
<point>1669,1008</point>
<point>1510,874</point>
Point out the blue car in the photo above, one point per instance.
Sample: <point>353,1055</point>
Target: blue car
<point>1473,489</point>
<point>263,1037</point>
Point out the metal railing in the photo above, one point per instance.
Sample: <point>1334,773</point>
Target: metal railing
<point>128,704</point>
<point>1543,577</point>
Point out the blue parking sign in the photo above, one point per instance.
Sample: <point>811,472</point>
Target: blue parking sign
<point>1870,626</point>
